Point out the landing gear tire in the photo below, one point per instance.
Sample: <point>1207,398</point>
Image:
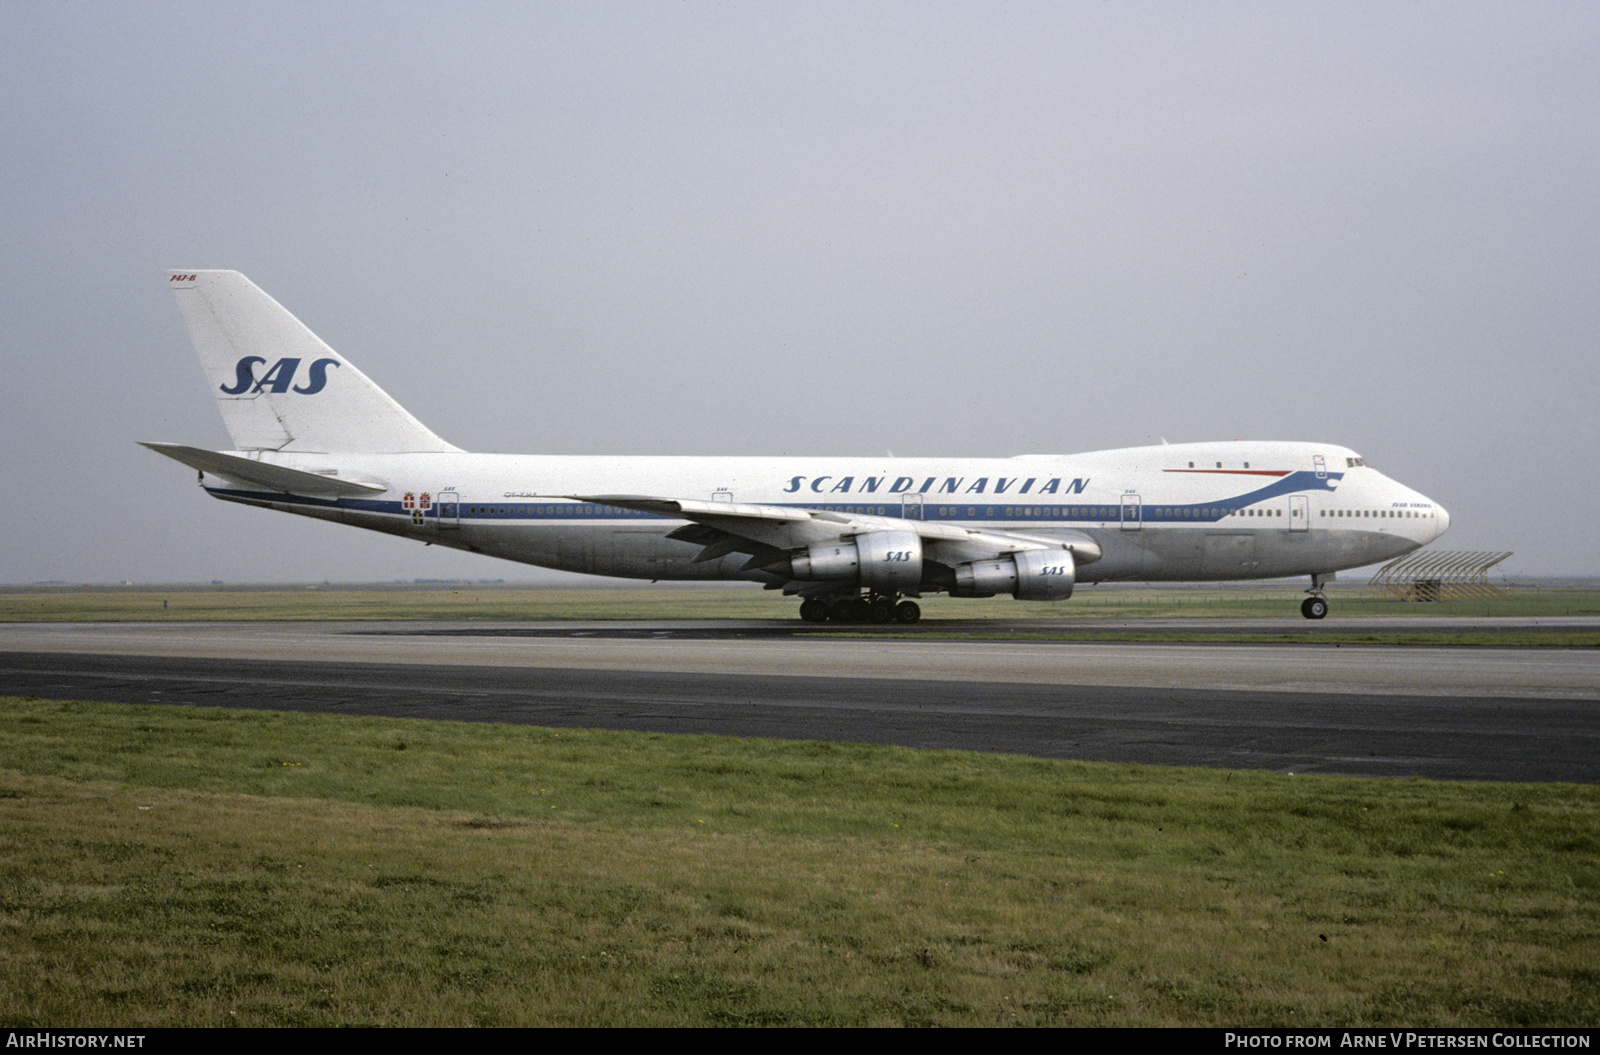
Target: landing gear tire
<point>850,610</point>
<point>881,610</point>
<point>1314,607</point>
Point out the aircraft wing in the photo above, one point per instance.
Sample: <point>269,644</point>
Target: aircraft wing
<point>266,475</point>
<point>769,532</point>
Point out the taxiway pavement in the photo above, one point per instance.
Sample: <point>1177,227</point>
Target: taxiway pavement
<point>1516,714</point>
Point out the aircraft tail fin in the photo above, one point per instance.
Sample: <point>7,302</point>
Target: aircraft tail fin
<point>278,386</point>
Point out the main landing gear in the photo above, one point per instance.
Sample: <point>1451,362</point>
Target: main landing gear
<point>1315,606</point>
<point>876,608</point>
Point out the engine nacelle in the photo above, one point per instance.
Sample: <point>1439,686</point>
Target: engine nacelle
<point>878,560</point>
<point>1032,575</point>
<point>890,560</point>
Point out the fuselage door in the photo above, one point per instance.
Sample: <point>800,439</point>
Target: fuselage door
<point>911,505</point>
<point>1299,513</point>
<point>1132,512</point>
<point>449,510</point>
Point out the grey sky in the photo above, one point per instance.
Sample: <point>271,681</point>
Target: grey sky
<point>815,228</point>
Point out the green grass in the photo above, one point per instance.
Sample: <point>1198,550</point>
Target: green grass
<point>186,866</point>
<point>491,601</point>
<point>1083,618</point>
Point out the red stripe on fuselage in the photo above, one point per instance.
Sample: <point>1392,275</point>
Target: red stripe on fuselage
<point>1233,472</point>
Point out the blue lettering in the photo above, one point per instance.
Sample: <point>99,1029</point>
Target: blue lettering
<point>816,485</point>
<point>870,484</point>
<point>927,485</point>
<point>319,377</point>
<point>1027,485</point>
<point>951,485</point>
<point>277,379</point>
<point>794,484</point>
<point>902,483</point>
<point>244,375</point>
<point>978,485</point>
<point>1001,483</point>
<point>1076,487</point>
<point>844,485</point>
<point>1050,488</point>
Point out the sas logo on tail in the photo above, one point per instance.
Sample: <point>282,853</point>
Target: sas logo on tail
<point>278,379</point>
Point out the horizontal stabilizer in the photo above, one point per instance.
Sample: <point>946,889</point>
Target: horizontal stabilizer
<point>265,475</point>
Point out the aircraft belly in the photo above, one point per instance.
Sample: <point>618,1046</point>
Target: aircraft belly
<point>592,549</point>
<point>1352,549</point>
<point>1188,554</point>
<point>1177,555</point>
<point>1229,555</point>
<point>596,549</point>
<point>1280,553</point>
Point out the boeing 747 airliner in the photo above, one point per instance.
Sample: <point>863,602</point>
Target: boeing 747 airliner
<point>852,537</point>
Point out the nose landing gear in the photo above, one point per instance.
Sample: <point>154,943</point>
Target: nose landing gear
<point>1315,606</point>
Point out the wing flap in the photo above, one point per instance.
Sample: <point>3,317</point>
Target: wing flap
<point>761,530</point>
<point>781,527</point>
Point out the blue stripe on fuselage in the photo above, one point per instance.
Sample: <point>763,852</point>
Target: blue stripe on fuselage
<point>1085,512</point>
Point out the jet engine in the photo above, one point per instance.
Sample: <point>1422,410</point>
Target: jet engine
<point>879,560</point>
<point>1032,575</point>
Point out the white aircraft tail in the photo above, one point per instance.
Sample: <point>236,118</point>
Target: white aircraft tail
<point>278,386</point>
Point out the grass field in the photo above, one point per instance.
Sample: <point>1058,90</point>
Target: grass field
<point>176,866</point>
<point>185,866</point>
<point>509,602</point>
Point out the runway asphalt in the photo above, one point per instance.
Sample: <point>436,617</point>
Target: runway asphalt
<point>1513,714</point>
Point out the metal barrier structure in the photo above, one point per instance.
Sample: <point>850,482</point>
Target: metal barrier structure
<point>1440,575</point>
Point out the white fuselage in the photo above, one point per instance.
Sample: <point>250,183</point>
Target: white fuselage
<point>1199,511</point>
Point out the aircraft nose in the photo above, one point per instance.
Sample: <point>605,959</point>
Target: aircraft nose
<point>1441,520</point>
